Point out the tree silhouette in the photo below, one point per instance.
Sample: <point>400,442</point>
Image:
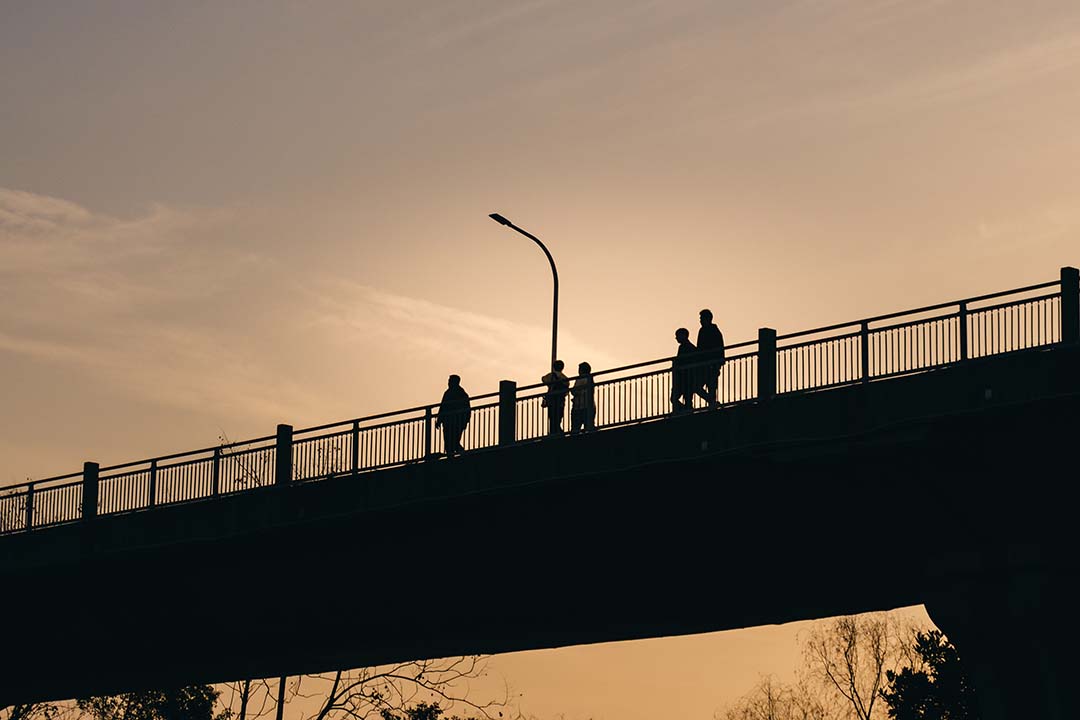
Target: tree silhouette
<point>374,693</point>
<point>940,690</point>
<point>846,665</point>
<point>773,700</point>
<point>195,702</point>
<point>33,711</point>
<point>420,711</point>
<point>848,658</point>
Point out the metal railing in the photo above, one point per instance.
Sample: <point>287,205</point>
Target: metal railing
<point>861,351</point>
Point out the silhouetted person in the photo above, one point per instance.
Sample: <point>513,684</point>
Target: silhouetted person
<point>555,398</point>
<point>685,378</point>
<point>453,417</point>
<point>710,345</point>
<point>583,407</point>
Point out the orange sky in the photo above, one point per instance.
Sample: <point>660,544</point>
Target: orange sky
<point>217,217</point>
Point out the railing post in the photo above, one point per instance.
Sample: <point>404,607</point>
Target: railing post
<point>215,480</point>
<point>864,343</point>
<point>507,412</point>
<point>90,490</point>
<point>355,447</point>
<point>963,331</point>
<point>1070,306</point>
<point>29,507</point>
<point>766,364</point>
<point>427,432</point>
<point>152,490</point>
<point>283,455</point>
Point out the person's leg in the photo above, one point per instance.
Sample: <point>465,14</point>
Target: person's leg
<point>701,384</point>
<point>590,420</point>
<point>712,384</point>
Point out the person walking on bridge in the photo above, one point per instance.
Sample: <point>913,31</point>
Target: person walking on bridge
<point>583,408</point>
<point>684,375</point>
<point>710,345</point>
<point>558,387</point>
<point>453,417</point>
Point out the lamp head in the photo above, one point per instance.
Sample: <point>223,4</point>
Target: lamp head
<point>499,219</point>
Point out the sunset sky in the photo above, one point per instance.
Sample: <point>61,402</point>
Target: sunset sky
<point>215,217</point>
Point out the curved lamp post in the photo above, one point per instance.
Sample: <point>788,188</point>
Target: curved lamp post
<point>554,275</point>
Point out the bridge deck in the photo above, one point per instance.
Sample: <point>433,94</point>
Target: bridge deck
<point>863,497</point>
<point>859,466</point>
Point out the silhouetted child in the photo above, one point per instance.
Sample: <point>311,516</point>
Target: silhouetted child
<point>583,408</point>
<point>453,417</point>
<point>710,345</point>
<point>683,374</point>
<point>555,398</point>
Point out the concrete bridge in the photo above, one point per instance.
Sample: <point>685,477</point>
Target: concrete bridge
<point>918,457</point>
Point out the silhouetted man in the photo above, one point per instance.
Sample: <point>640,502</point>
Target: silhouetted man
<point>683,374</point>
<point>453,417</point>
<point>710,345</point>
<point>583,407</point>
<point>555,398</point>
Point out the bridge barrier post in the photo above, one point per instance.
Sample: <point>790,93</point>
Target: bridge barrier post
<point>355,447</point>
<point>29,507</point>
<point>963,331</point>
<point>283,460</point>
<point>90,490</point>
<point>507,412</point>
<point>766,364</point>
<point>427,432</point>
<point>1070,305</point>
<point>864,351</point>
<point>151,491</point>
<point>215,477</point>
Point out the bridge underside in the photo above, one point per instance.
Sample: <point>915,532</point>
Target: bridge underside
<point>862,498</point>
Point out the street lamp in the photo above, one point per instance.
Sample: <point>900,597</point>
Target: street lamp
<point>554,275</point>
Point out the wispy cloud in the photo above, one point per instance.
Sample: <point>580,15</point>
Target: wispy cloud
<point>162,309</point>
<point>912,83</point>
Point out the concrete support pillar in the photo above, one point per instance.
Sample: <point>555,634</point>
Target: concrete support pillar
<point>507,412</point>
<point>1070,305</point>
<point>283,455</point>
<point>1014,630</point>
<point>766,364</point>
<point>90,490</point>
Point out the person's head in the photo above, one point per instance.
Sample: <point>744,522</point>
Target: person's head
<point>584,368</point>
<point>682,335</point>
<point>557,365</point>
<point>706,316</point>
<point>454,381</point>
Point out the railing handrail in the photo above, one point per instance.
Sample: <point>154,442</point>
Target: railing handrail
<point>916,311</point>
<point>34,484</point>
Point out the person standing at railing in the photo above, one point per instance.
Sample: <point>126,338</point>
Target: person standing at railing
<point>710,345</point>
<point>453,417</point>
<point>558,387</point>
<point>683,373</point>
<point>583,407</point>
